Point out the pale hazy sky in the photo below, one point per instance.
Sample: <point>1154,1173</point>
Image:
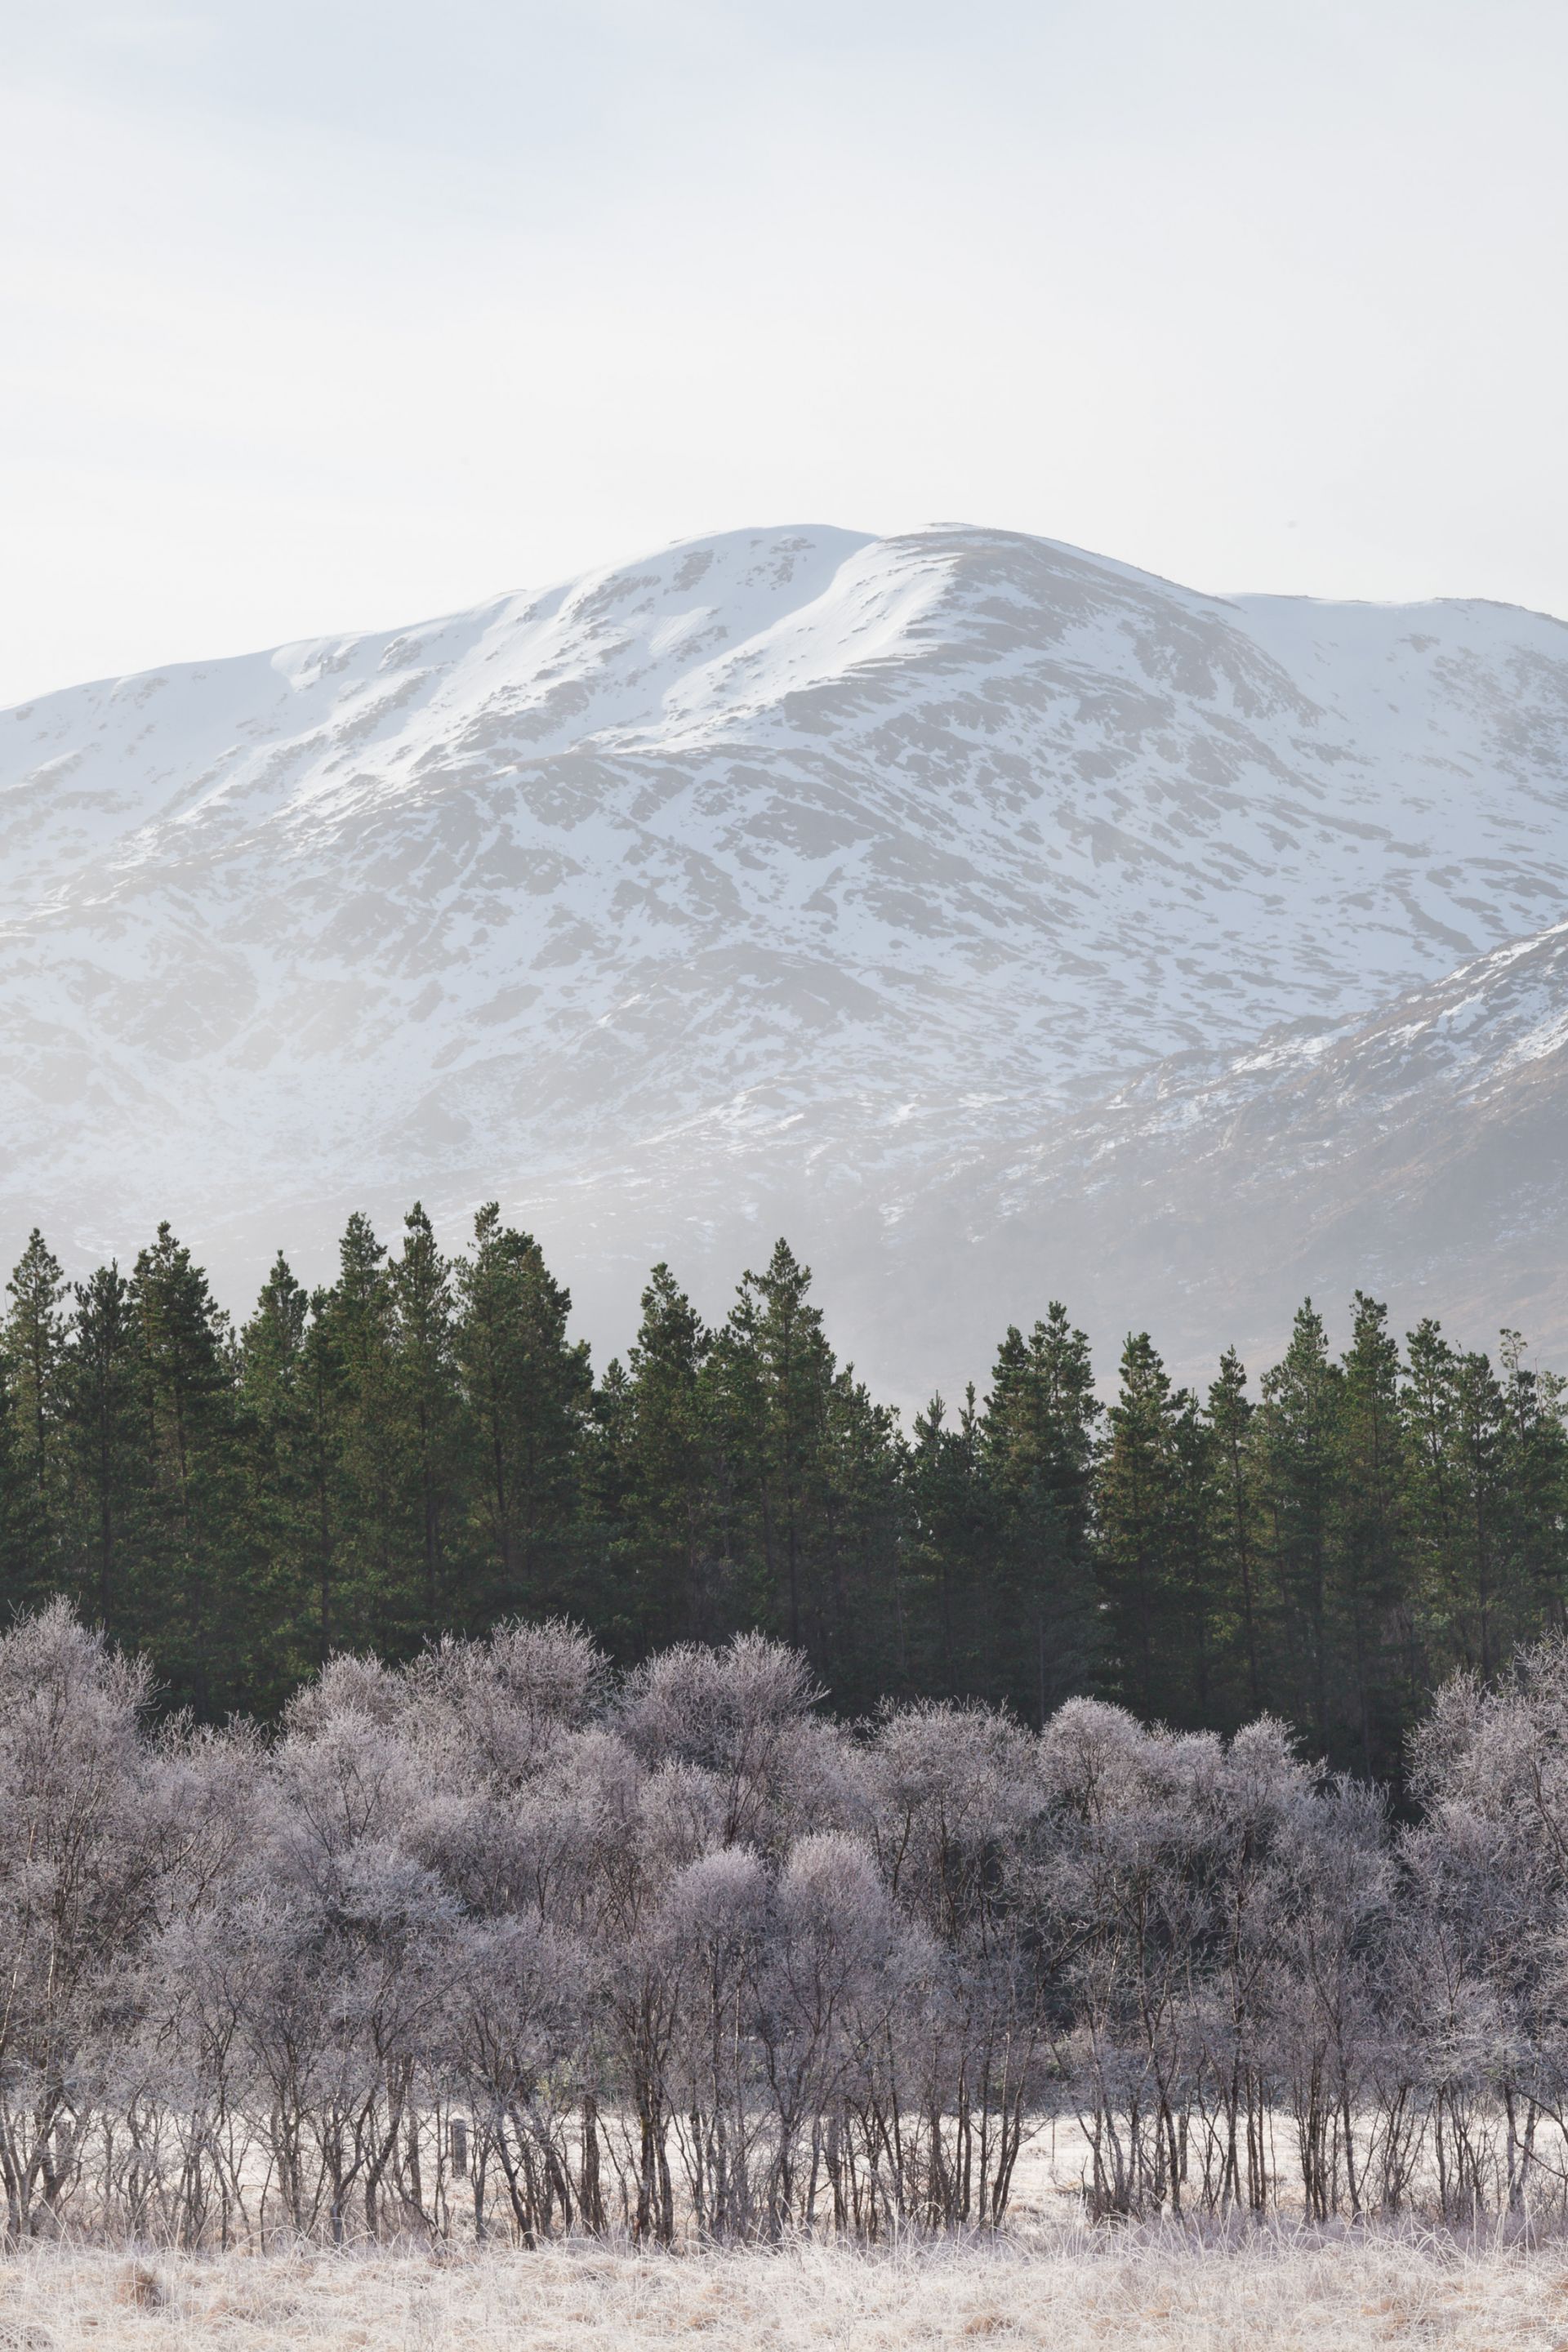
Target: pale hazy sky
<point>320,314</point>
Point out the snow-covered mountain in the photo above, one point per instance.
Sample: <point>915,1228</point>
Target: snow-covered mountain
<point>1420,1154</point>
<point>914,894</point>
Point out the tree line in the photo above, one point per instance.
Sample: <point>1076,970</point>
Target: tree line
<point>422,1448</point>
<point>500,1944</point>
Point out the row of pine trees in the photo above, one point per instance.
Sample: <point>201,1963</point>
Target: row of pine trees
<point>422,1446</point>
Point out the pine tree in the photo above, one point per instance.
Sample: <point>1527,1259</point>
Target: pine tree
<point>1300,1434</point>
<point>421,1446</point>
<point>287,1455</point>
<point>320,1400</point>
<point>652,1420</point>
<point>375,1553</point>
<point>1373,1544</point>
<point>434,1419</point>
<point>1201,1694</point>
<point>107,1465</point>
<point>775,1371</point>
<point>1469,1488</point>
<point>529,1390</point>
<point>192,1605</point>
<point>622,1567</point>
<point>1481,1433</point>
<point>18,1536</point>
<point>1538,1483</point>
<point>34,1346</point>
<point>1038,1441</point>
<point>864,1641</point>
<point>955,1544</point>
<point>1233,1532</point>
<point>1152,1551</point>
<point>807,1505</point>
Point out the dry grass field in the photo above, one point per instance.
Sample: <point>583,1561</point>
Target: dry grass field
<point>1132,2290</point>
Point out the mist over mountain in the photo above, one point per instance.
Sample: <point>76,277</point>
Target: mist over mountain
<point>1000,921</point>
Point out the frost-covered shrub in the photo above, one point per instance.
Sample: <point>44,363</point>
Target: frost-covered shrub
<point>493,1943</point>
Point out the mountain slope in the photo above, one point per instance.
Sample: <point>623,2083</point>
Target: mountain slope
<point>1420,1154</point>
<point>773,877</point>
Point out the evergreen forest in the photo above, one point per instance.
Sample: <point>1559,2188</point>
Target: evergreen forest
<point>422,1449</point>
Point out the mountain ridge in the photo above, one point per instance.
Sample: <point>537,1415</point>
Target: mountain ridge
<point>794,872</point>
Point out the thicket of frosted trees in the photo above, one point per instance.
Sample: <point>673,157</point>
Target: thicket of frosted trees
<point>498,1945</point>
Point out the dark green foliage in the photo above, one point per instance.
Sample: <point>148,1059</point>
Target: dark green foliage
<point>1299,1429</point>
<point>34,1341</point>
<point>528,1390</point>
<point>372,1474</point>
<point>656,1454</point>
<point>1037,1445</point>
<point>289,1397</point>
<point>805,1481</point>
<point>1233,1498</point>
<point>1378,1693</point>
<point>954,1542</point>
<point>191,1594</point>
<point>105,1462</point>
<point>1153,1552</point>
<point>421,1448</point>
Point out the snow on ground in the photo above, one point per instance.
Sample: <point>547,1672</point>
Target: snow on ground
<point>1140,2291</point>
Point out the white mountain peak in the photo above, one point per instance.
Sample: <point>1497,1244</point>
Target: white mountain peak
<point>767,874</point>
